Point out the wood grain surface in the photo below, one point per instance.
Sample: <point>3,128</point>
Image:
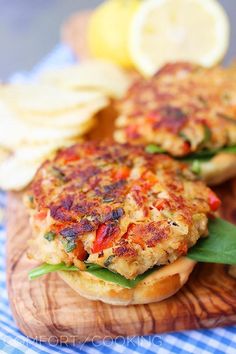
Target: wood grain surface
<point>48,310</point>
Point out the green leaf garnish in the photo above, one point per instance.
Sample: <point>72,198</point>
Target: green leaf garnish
<point>94,269</point>
<point>204,155</point>
<point>152,149</point>
<point>219,246</point>
<point>69,245</point>
<point>196,167</point>
<point>107,275</point>
<point>208,154</point>
<point>49,268</point>
<point>109,260</point>
<point>207,134</point>
<point>50,236</point>
<point>31,198</point>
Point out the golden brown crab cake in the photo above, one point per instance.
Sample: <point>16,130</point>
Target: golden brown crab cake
<point>184,108</point>
<point>116,206</point>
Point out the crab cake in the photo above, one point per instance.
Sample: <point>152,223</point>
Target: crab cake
<point>116,206</point>
<point>184,109</point>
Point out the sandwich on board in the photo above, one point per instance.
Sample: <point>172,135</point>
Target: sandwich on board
<point>186,111</point>
<point>121,225</point>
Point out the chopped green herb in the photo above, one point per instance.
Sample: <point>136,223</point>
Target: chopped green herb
<point>152,149</point>
<point>69,245</point>
<point>50,236</point>
<point>207,134</point>
<point>31,198</point>
<point>108,261</point>
<point>196,167</point>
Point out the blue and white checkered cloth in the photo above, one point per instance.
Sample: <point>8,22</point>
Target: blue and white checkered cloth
<point>219,341</point>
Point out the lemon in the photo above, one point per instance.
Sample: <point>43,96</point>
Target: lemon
<point>108,30</point>
<point>173,30</point>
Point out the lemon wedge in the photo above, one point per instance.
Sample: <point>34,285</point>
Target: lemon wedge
<point>108,28</point>
<point>178,30</point>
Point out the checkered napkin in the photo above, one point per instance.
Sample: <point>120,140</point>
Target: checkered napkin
<point>219,341</point>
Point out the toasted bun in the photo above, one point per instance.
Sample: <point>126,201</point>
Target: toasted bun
<point>219,169</point>
<point>158,286</point>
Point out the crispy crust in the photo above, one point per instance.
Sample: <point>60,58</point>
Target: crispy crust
<point>116,206</point>
<point>183,108</point>
<point>158,286</point>
<point>219,169</point>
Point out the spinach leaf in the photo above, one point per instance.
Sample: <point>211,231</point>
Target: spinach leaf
<point>208,154</point>
<point>230,149</point>
<point>207,134</point>
<point>94,269</point>
<point>49,268</point>
<point>196,167</point>
<point>219,246</point>
<point>106,274</point>
<point>204,155</point>
<point>153,149</point>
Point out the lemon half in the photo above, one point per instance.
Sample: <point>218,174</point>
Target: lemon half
<point>174,30</point>
<point>108,30</point>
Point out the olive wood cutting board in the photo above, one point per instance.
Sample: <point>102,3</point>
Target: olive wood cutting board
<point>48,310</point>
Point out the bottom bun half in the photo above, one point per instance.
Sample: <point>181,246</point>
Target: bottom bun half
<point>219,169</point>
<point>159,285</point>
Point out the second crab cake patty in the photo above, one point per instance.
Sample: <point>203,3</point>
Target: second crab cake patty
<point>116,206</point>
<point>184,108</point>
